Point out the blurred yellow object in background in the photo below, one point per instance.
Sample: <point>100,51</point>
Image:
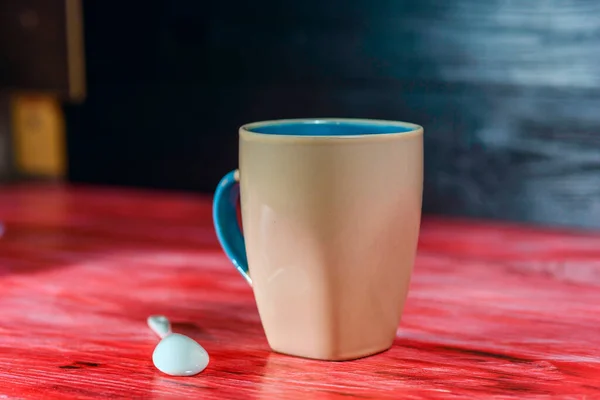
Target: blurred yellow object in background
<point>38,130</point>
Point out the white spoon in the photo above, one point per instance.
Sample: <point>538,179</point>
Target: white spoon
<point>176,354</point>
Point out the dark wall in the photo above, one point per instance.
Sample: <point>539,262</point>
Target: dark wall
<point>508,92</point>
<point>41,47</point>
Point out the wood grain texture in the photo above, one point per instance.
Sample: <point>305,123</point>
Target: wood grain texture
<point>494,311</point>
<point>552,43</point>
<point>508,92</point>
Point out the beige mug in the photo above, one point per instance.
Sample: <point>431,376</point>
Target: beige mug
<point>331,211</point>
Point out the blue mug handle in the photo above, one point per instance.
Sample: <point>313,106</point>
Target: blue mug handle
<point>226,223</point>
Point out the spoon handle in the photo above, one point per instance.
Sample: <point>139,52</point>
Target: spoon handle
<point>159,325</point>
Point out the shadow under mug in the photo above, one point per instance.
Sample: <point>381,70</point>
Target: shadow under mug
<point>331,210</point>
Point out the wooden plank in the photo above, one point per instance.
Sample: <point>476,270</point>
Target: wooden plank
<point>494,310</point>
<point>552,43</point>
<point>507,91</point>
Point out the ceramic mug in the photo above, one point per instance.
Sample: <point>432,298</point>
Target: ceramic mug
<point>331,212</point>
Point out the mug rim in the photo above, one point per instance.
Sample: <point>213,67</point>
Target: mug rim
<point>246,131</point>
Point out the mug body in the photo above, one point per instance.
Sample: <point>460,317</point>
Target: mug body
<point>331,212</point>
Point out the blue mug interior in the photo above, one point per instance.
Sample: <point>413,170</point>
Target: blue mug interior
<point>328,128</point>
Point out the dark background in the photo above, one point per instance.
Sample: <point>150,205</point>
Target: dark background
<point>508,92</point>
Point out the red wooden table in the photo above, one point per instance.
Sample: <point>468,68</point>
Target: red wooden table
<point>495,311</point>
